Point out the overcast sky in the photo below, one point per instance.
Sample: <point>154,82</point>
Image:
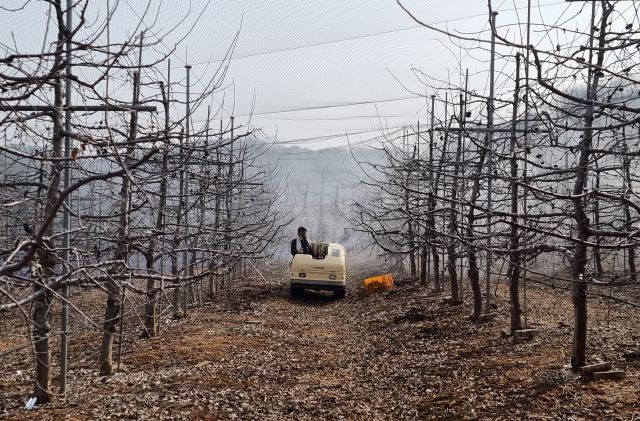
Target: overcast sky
<point>295,55</point>
<point>309,54</point>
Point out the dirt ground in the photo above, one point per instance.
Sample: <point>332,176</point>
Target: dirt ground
<point>403,354</point>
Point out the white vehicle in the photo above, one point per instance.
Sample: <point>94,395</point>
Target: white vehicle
<point>324,270</point>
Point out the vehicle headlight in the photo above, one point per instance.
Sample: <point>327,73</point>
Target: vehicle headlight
<point>332,276</point>
<point>302,275</point>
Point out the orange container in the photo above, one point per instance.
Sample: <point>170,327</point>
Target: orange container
<point>378,283</point>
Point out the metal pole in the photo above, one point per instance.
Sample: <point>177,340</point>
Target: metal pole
<point>431,134</point>
<point>591,31</point>
<point>490,161</point>
<point>167,124</point>
<point>443,157</point>
<point>185,192</point>
<point>464,117</point>
<point>66,218</point>
<point>456,206</point>
<point>229,196</point>
<point>420,204</point>
<point>525,171</point>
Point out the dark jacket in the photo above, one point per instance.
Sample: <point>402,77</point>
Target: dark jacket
<point>306,247</point>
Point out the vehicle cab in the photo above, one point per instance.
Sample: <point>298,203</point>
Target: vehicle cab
<point>325,270</point>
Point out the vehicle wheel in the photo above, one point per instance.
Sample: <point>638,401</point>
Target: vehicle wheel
<point>339,293</point>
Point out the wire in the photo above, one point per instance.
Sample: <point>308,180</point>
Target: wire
<point>335,118</point>
<point>358,37</point>
<point>336,105</point>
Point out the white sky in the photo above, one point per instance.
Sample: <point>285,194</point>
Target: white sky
<point>309,54</point>
<point>364,46</point>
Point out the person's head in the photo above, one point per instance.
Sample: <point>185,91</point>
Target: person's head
<point>302,232</point>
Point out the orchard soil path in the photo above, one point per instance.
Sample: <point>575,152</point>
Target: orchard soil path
<point>405,354</point>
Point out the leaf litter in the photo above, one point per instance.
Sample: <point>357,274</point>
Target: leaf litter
<point>402,354</point>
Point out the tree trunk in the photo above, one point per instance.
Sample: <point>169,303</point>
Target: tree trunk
<point>151,294</point>
<point>121,254</point>
<point>176,299</point>
<point>41,331</point>
<point>434,248</point>
<point>46,257</point>
<point>474,275</point>
<point>111,318</point>
<point>631,257</point>
<point>410,232</point>
<point>150,309</point>
<point>474,281</point>
<point>453,216</point>
<point>597,256</point>
<point>579,291</point>
<point>423,265</point>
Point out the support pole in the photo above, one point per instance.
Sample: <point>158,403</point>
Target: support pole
<point>487,308</point>
<point>185,193</point>
<point>66,217</point>
<point>429,216</point>
<point>460,207</point>
<point>525,170</point>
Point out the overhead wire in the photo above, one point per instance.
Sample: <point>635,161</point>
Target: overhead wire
<point>335,41</point>
<point>358,37</point>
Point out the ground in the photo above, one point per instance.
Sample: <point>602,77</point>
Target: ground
<point>404,354</point>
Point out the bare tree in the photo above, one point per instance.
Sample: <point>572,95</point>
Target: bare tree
<point>104,153</point>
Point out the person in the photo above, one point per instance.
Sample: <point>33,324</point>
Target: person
<point>301,244</point>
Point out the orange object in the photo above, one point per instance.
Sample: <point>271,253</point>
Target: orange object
<point>378,283</point>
